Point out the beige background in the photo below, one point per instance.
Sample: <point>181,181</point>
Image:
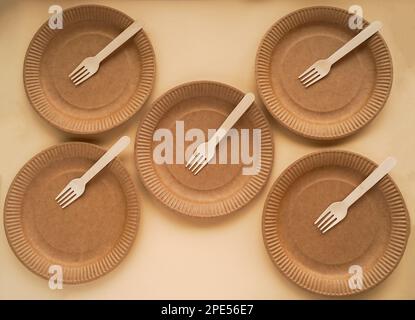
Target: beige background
<point>174,256</point>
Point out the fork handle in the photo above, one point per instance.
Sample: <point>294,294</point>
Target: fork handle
<point>119,41</point>
<point>361,37</point>
<point>382,170</point>
<point>233,117</point>
<point>108,156</point>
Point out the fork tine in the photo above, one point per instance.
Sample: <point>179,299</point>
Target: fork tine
<point>79,75</point>
<point>200,162</point>
<point>311,79</point>
<point>309,75</point>
<point>327,222</point>
<point>72,199</point>
<point>62,192</point>
<point>332,224</point>
<point>201,167</point>
<point>314,81</point>
<point>86,77</point>
<point>65,197</point>
<point>326,218</point>
<point>66,194</point>
<point>191,159</point>
<point>82,70</point>
<point>79,67</point>
<point>325,212</point>
<point>305,72</point>
<point>196,161</point>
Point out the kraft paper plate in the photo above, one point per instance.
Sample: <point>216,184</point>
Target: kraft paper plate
<point>87,239</point>
<point>219,188</point>
<point>347,99</point>
<point>373,236</point>
<point>110,97</point>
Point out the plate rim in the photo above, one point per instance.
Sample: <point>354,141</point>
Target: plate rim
<point>42,106</point>
<point>39,264</point>
<point>270,235</point>
<point>151,181</point>
<point>294,124</point>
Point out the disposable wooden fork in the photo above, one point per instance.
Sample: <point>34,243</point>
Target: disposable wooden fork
<point>90,65</point>
<point>337,211</point>
<point>76,187</point>
<point>206,150</point>
<point>322,67</point>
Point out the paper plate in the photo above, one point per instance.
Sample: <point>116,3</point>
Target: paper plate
<point>219,188</point>
<point>347,99</point>
<point>368,243</point>
<point>110,97</point>
<point>87,239</point>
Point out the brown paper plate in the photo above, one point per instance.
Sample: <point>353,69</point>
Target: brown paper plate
<point>373,235</point>
<point>90,237</point>
<point>219,188</point>
<point>112,96</point>
<point>347,99</point>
